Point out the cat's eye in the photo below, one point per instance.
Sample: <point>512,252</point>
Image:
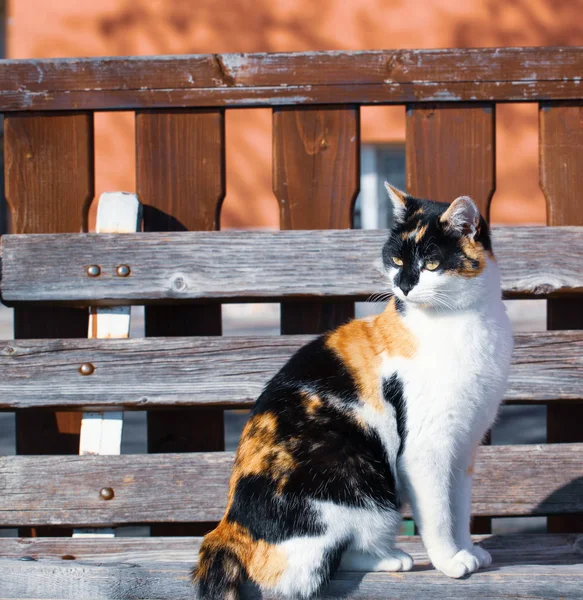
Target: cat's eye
<point>432,265</point>
<point>397,261</point>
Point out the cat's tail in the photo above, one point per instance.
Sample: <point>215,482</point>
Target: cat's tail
<point>219,572</point>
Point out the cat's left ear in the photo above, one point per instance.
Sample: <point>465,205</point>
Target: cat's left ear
<point>398,199</point>
<point>462,217</point>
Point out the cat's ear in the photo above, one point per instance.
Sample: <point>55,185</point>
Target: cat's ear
<point>398,200</point>
<point>462,217</point>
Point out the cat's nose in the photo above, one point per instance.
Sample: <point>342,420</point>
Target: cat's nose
<point>406,288</point>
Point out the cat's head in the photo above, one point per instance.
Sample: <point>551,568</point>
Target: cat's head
<point>438,255</point>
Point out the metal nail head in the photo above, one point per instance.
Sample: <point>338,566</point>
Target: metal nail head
<point>106,493</point>
<point>94,270</point>
<point>86,369</point>
<point>123,270</point>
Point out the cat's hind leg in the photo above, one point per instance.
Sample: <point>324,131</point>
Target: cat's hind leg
<point>310,562</point>
<point>372,547</point>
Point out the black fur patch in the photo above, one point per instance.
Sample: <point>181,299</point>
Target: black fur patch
<point>393,394</point>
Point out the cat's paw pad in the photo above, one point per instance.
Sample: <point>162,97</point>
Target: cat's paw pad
<point>483,556</point>
<point>397,560</point>
<point>463,563</point>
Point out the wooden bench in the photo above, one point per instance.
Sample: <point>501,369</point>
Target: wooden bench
<point>184,373</point>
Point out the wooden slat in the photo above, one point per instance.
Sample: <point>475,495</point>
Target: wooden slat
<point>78,581</point>
<point>561,176</point>
<point>150,373</point>
<point>49,184</point>
<point>450,152</point>
<point>399,76</point>
<point>316,171</point>
<point>180,169</point>
<point>525,566</point>
<point>175,488</point>
<point>251,265</point>
<point>507,549</point>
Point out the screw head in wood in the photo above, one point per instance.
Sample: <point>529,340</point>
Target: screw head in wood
<point>94,270</point>
<point>123,270</point>
<point>86,369</point>
<point>106,493</point>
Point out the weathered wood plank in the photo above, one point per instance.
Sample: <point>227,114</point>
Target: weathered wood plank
<point>65,580</point>
<point>178,488</point>
<point>535,567</point>
<point>251,265</point>
<point>511,549</point>
<point>227,372</point>
<point>495,74</point>
<point>561,178</point>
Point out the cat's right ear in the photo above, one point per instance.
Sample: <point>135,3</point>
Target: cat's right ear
<point>398,199</point>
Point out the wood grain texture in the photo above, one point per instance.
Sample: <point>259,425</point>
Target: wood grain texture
<point>64,580</point>
<point>183,488</point>
<point>251,265</point>
<point>508,549</point>
<point>49,185</point>
<point>525,566</point>
<point>388,76</point>
<point>316,171</point>
<point>180,167</point>
<point>450,152</point>
<point>149,373</point>
<point>561,178</point>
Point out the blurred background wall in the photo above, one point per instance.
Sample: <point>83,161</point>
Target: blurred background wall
<point>71,28</point>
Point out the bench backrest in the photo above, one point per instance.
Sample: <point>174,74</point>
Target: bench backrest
<point>184,277</point>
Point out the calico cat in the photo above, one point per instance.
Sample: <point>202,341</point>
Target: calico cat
<point>381,409</point>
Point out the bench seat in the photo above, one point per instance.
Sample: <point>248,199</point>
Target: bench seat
<point>525,566</point>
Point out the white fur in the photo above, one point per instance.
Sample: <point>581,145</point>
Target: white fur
<point>453,386</point>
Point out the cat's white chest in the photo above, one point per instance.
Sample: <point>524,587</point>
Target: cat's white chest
<point>456,377</point>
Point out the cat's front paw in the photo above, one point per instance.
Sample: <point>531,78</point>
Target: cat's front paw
<point>459,565</point>
<point>482,555</point>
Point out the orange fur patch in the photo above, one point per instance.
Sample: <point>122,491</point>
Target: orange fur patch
<point>417,233</point>
<point>312,403</point>
<point>420,232</point>
<point>474,251</point>
<point>360,345</point>
<point>265,563</point>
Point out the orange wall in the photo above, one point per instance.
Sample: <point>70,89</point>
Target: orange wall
<point>67,28</point>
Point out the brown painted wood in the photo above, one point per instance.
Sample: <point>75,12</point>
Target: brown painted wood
<point>536,262</point>
<point>450,152</point>
<point>525,566</point>
<point>49,185</point>
<point>182,488</point>
<point>389,76</point>
<point>315,180</point>
<point>227,372</point>
<point>561,177</point>
<point>180,168</point>
<point>316,171</point>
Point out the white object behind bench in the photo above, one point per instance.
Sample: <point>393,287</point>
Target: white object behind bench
<point>117,212</point>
